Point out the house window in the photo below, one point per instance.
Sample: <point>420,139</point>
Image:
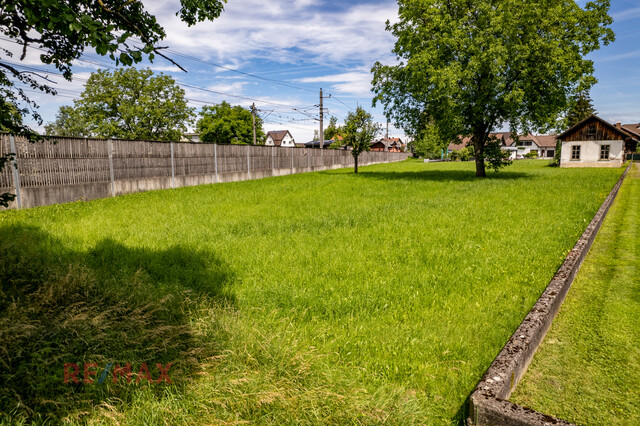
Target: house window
<point>591,132</point>
<point>551,153</point>
<point>604,152</point>
<point>575,152</point>
<point>527,143</point>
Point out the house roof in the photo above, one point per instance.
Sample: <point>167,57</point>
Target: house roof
<point>388,142</point>
<point>622,131</point>
<point>311,144</point>
<point>632,128</point>
<point>546,141</point>
<point>277,136</point>
<point>542,141</point>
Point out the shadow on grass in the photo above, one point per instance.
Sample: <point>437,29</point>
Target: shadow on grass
<point>110,304</point>
<point>440,175</point>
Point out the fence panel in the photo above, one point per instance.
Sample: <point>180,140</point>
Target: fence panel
<point>6,174</point>
<point>58,170</point>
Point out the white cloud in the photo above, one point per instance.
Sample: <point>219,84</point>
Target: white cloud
<point>271,29</point>
<point>355,83</point>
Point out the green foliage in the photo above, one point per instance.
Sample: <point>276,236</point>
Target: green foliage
<point>464,154</point>
<point>62,29</point>
<point>587,370</point>
<point>531,154</point>
<point>429,144</point>
<point>582,107</point>
<point>127,103</point>
<point>359,131</point>
<point>336,144</point>
<point>69,122</point>
<point>332,129</point>
<point>281,324</point>
<point>470,66</point>
<point>223,123</point>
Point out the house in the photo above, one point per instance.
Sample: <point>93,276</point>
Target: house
<point>190,137</point>
<point>543,145</point>
<point>388,145</point>
<point>594,142</point>
<point>280,138</point>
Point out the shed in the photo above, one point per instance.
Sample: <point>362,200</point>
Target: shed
<point>594,142</point>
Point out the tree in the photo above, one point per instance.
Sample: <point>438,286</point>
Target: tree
<point>429,144</point>
<point>582,108</point>
<point>62,29</point>
<point>470,66</point>
<point>332,129</point>
<point>223,123</point>
<point>359,131</point>
<point>127,103</point>
<point>68,123</point>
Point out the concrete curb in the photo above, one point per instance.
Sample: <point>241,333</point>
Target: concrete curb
<point>488,403</point>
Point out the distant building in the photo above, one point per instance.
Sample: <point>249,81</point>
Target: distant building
<point>190,137</point>
<point>543,145</point>
<point>280,138</point>
<point>594,142</point>
<point>327,143</point>
<point>388,145</point>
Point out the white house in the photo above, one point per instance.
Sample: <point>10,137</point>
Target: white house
<point>595,143</point>
<point>280,138</point>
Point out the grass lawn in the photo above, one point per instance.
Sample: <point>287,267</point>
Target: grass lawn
<point>588,368</point>
<point>317,298</point>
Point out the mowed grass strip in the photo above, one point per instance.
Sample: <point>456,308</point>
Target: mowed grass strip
<point>308,299</point>
<point>588,368</point>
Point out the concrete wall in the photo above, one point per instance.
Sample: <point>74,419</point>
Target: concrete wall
<point>590,154</point>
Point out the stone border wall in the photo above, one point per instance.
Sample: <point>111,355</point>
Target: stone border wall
<point>488,404</point>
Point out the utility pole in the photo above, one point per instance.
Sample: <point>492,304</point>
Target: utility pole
<point>321,123</point>
<point>253,117</point>
<point>322,119</point>
<point>387,129</point>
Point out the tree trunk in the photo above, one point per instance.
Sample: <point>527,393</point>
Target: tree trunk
<point>478,146</point>
<point>355,164</point>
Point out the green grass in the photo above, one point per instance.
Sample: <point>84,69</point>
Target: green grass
<point>588,368</point>
<point>317,298</point>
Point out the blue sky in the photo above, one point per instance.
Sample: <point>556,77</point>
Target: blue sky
<point>309,44</point>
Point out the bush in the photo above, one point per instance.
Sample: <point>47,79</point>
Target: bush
<point>532,154</point>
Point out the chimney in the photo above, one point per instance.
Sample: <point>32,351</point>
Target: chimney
<point>619,124</point>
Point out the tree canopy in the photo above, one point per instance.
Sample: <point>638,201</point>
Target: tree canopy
<point>358,132</point>
<point>127,103</point>
<point>582,108</point>
<point>471,66</point>
<point>62,29</point>
<point>224,123</point>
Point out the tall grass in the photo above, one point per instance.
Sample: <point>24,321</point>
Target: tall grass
<point>587,370</point>
<point>319,298</point>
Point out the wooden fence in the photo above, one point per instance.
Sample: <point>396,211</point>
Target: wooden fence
<point>69,169</point>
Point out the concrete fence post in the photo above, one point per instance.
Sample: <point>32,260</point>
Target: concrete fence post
<point>16,172</point>
<point>215,159</point>
<point>292,153</point>
<point>248,161</point>
<point>308,158</point>
<point>111,176</point>
<point>273,165</point>
<point>173,168</point>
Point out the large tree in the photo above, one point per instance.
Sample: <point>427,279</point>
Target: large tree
<point>359,131</point>
<point>62,29</point>
<point>224,123</point>
<point>127,103</point>
<point>471,66</point>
